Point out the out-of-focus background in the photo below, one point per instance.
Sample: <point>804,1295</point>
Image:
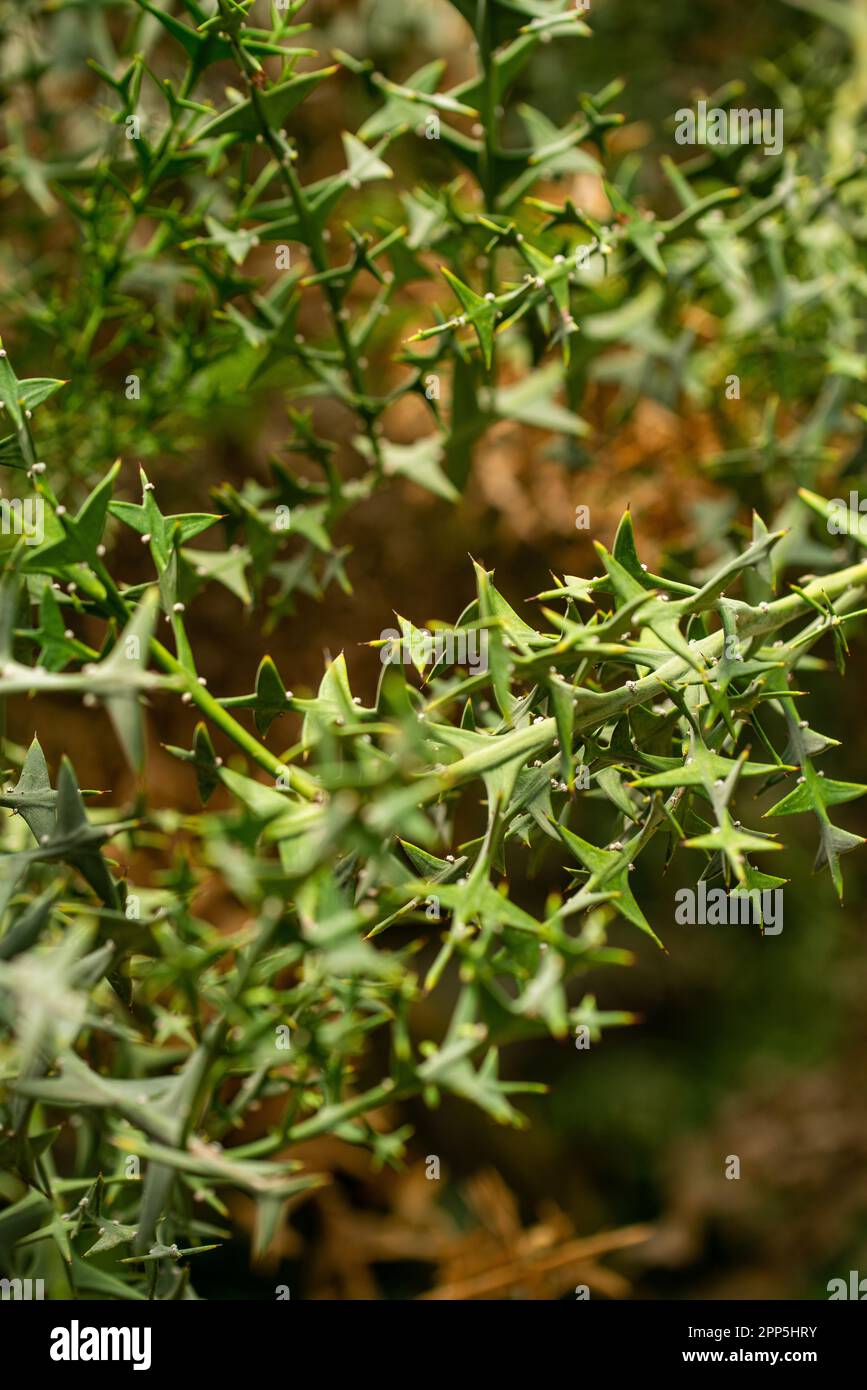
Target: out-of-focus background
<point>746,1047</point>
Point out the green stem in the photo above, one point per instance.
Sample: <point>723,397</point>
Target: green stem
<point>211,708</point>
<point>313,239</point>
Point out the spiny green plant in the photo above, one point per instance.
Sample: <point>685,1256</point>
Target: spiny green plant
<point>199,268</point>
<point>636,702</point>
<point>373,859</point>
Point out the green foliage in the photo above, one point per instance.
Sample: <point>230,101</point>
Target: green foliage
<point>623,716</point>
<point>174,252</point>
